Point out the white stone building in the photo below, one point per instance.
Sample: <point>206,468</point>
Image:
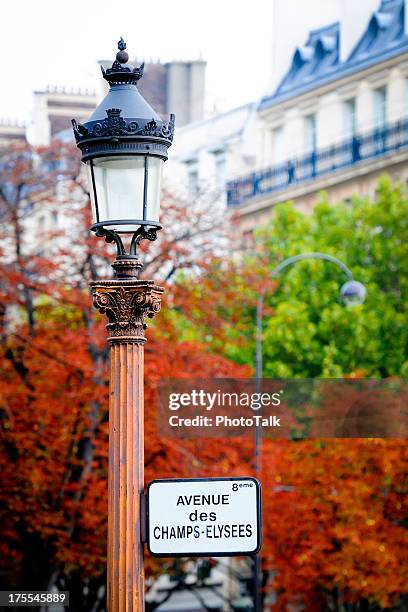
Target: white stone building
<point>11,132</point>
<point>53,109</point>
<point>206,153</point>
<point>337,118</point>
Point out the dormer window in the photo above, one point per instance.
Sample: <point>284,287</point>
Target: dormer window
<point>302,55</point>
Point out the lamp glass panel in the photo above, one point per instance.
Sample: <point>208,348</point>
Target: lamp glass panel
<point>155,169</point>
<point>119,185</point>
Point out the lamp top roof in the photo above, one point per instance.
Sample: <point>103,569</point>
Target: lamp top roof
<point>123,93</point>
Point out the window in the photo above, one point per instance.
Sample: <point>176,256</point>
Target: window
<point>405,110</point>
<point>248,240</point>
<point>278,153</point>
<point>192,176</point>
<point>193,180</point>
<point>349,118</point>
<point>41,223</point>
<point>380,107</point>
<point>220,169</point>
<point>310,133</point>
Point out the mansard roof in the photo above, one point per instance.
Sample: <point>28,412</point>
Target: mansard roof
<point>385,31</point>
<point>318,57</point>
<point>318,61</point>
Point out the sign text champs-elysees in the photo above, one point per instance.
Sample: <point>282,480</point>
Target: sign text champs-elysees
<point>204,517</point>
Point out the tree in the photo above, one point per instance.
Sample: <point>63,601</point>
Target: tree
<point>312,333</point>
<point>336,523</point>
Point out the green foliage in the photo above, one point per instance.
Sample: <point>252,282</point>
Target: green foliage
<point>310,332</point>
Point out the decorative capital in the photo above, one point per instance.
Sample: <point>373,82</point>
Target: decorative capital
<point>127,304</point>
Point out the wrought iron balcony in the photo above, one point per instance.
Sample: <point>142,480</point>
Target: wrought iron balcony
<point>362,147</point>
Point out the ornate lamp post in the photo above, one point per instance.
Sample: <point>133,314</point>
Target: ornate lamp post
<point>124,145</point>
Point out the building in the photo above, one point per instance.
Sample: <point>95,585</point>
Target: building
<point>206,153</point>
<point>336,119</point>
<point>53,109</point>
<point>181,90</point>
<point>293,20</point>
<point>11,132</point>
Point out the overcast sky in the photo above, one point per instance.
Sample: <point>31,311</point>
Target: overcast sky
<point>58,42</point>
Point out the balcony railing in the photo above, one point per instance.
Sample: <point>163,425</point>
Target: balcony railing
<point>378,142</point>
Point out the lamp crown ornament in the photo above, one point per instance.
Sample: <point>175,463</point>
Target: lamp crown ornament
<point>120,73</point>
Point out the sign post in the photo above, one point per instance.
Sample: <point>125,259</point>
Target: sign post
<point>204,517</point>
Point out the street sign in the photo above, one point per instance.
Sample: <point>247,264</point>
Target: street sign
<point>204,517</point>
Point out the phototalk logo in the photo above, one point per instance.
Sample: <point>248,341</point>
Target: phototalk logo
<point>221,399</point>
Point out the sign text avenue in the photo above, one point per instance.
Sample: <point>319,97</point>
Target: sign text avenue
<point>204,517</point>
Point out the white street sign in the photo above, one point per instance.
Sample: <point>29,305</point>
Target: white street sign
<point>204,517</point>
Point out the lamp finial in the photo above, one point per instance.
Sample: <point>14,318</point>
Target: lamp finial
<point>122,56</point>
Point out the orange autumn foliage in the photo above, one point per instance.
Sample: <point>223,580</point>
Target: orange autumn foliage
<point>48,486</point>
<point>335,525</point>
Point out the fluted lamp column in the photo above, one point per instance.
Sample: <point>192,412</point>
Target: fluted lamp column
<point>127,302</point>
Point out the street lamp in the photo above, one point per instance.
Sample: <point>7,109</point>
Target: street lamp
<point>352,293</point>
<point>124,145</point>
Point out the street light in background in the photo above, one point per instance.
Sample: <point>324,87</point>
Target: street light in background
<point>352,293</point>
<point>124,145</point>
